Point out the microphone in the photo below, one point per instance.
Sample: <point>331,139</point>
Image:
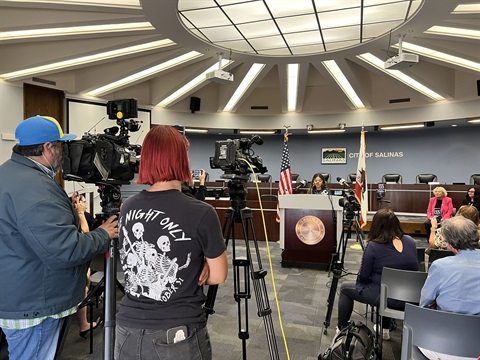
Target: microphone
<point>301,185</point>
<point>342,182</point>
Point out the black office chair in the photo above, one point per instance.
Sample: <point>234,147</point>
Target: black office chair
<point>351,178</point>
<point>295,177</point>
<point>439,331</point>
<point>264,177</point>
<point>426,178</point>
<point>392,178</point>
<point>436,254</point>
<point>267,197</point>
<point>326,176</point>
<point>475,179</point>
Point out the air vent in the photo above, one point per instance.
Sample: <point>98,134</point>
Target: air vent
<point>395,101</point>
<point>44,81</point>
<point>259,107</point>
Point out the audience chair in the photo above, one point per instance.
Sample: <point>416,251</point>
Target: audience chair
<point>327,177</point>
<point>352,177</point>
<point>440,331</point>
<point>475,179</point>
<point>267,197</point>
<point>392,178</point>
<point>436,254</point>
<point>421,259</point>
<point>264,177</point>
<point>295,177</point>
<point>402,285</point>
<point>426,178</point>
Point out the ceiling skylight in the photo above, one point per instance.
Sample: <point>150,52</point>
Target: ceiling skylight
<point>145,73</point>
<point>39,70</point>
<point>296,27</point>
<point>400,76</point>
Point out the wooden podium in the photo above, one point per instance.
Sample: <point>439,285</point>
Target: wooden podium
<point>307,229</point>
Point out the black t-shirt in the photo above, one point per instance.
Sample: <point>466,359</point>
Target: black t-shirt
<point>163,239</point>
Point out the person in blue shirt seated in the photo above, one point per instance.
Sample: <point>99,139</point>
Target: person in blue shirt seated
<point>453,282</point>
<point>387,246</point>
<point>318,185</point>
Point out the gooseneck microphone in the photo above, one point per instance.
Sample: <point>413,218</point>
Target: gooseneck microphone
<point>342,182</point>
<point>301,185</point>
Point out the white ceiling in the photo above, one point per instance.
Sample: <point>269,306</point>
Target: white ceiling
<point>318,93</point>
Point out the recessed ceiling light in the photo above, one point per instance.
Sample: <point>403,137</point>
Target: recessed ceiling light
<point>474,121</point>
<point>74,30</point>
<point>400,76</point>
<point>398,127</point>
<point>244,85</point>
<point>39,70</point>
<point>321,131</point>
<point>467,9</point>
<point>263,132</point>
<point>344,84</point>
<point>438,55</point>
<point>196,130</point>
<point>451,31</point>
<point>145,73</point>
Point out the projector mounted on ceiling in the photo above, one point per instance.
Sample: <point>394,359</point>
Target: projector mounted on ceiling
<point>220,76</point>
<point>402,60</point>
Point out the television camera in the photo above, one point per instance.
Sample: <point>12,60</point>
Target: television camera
<point>107,157</point>
<point>230,155</point>
<point>349,204</point>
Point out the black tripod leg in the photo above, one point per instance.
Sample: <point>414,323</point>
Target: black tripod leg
<point>242,294</point>
<point>259,285</point>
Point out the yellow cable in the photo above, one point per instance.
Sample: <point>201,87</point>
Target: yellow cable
<point>270,261</point>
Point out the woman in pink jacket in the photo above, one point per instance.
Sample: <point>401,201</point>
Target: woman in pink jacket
<point>440,206</point>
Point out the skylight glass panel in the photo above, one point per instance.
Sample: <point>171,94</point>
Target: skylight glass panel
<point>393,11</point>
<point>307,49</point>
<point>339,18</point>
<point>457,32</point>
<point>206,17</point>
<point>247,12</point>
<point>304,38</point>
<point>374,30</point>
<point>222,33</point>
<point>268,42</point>
<point>195,4</point>
<point>298,23</point>
<point>239,45</point>
<point>341,44</point>
<point>323,5</point>
<point>258,29</point>
<point>276,52</point>
<point>280,8</point>
<point>340,34</point>
<point>246,82</point>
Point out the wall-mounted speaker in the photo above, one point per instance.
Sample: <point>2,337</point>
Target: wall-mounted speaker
<point>194,104</point>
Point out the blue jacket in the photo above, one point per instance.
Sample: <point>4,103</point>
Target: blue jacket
<point>42,253</point>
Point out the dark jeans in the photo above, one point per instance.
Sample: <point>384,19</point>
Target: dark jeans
<point>149,344</point>
<point>369,295</point>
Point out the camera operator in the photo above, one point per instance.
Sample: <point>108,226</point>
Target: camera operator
<point>42,253</point>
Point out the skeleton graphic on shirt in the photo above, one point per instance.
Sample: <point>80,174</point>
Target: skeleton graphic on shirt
<point>149,271</point>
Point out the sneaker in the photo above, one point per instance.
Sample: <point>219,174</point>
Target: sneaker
<point>385,332</point>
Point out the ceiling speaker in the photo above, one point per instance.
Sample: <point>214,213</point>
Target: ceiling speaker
<point>194,104</point>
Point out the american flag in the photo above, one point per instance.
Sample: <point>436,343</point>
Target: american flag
<point>285,186</point>
<point>361,192</point>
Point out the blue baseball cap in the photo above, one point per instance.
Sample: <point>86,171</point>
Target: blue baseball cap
<point>39,130</point>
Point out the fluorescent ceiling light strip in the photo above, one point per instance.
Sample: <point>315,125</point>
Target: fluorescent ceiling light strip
<point>192,83</point>
<point>244,85</point>
<point>106,3</point>
<point>320,131</point>
<point>195,130</point>
<point>396,127</point>
<point>257,132</point>
<point>451,31</point>
<point>343,82</point>
<point>292,86</point>
<point>438,55</point>
<point>467,9</point>
<point>145,73</point>
<point>474,121</point>
<point>400,76</point>
<point>74,30</point>
<point>87,59</point>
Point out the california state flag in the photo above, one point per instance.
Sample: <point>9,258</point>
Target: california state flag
<point>361,192</point>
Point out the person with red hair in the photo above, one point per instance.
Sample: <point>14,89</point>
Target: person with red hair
<point>170,245</point>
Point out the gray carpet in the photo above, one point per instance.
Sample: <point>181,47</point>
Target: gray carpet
<point>302,295</point>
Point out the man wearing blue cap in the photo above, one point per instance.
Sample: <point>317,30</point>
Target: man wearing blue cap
<point>42,253</point>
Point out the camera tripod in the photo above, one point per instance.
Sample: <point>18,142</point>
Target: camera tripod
<point>243,267</point>
<point>350,220</point>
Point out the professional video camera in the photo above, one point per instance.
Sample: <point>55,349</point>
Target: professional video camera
<point>107,157</point>
<point>349,203</point>
<point>230,156</point>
